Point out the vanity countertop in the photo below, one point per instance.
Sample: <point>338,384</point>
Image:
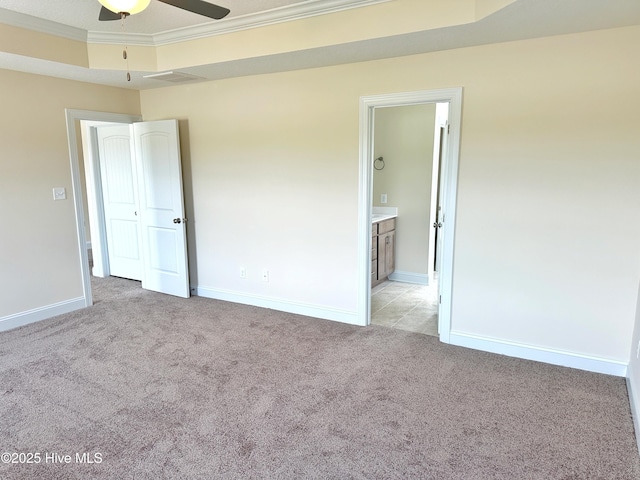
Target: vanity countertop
<point>380,217</point>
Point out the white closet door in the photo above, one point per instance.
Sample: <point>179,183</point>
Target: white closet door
<point>120,193</point>
<point>162,217</point>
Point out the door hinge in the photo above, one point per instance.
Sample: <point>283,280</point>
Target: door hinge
<point>448,128</point>
<point>440,299</point>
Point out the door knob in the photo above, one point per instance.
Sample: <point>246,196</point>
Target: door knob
<point>437,224</point>
<point>177,220</point>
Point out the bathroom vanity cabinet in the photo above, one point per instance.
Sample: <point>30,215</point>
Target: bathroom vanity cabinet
<point>383,241</point>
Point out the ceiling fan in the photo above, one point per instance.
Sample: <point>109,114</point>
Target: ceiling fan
<point>117,9</point>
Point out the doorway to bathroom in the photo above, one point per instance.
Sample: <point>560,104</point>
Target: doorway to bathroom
<point>407,151</point>
<point>419,191</point>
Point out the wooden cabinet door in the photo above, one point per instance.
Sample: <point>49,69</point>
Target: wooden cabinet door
<point>389,252</point>
<point>386,257</point>
<point>383,259</point>
<point>385,254</point>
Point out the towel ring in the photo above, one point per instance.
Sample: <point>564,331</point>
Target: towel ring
<point>378,163</point>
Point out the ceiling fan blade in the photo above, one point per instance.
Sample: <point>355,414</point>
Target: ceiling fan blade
<point>106,15</point>
<point>200,7</point>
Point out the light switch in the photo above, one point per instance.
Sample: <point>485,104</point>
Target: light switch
<point>59,193</point>
<point>383,198</point>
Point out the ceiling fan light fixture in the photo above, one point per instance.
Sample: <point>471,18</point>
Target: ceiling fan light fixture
<point>125,6</point>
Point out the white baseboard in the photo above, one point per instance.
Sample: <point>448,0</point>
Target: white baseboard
<point>545,355</point>
<point>410,277</point>
<point>343,316</point>
<point>634,402</point>
<point>30,316</point>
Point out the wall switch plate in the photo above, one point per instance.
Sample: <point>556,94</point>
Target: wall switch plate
<point>265,275</point>
<point>243,272</point>
<point>59,193</point>
<point>383,198</point>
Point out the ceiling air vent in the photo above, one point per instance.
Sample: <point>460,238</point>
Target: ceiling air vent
<point>173,77</point>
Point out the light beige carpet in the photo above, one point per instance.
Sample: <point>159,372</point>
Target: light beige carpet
<point>162,387</point>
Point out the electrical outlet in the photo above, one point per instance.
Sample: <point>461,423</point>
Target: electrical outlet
<point>59,193</point>
<point>243,272</point>
<point>383,198</point>
<point>265,275</point>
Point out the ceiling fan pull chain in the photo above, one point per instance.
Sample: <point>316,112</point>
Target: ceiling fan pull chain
<point>114,9</point>
<point>125,55</point>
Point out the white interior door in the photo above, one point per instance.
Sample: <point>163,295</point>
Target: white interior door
<point>439,211</point>
<point>162,218</point>
<point>119,195</point>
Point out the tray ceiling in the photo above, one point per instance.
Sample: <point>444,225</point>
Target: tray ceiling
<point>521,19</point>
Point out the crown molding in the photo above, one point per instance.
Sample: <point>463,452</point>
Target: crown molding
<point>110,38</point>
<point>300,11</point>
<point>277,15</point>
<point>42,25</point>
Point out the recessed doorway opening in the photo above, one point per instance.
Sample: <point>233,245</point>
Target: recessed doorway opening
<point>408,149</point>
<point>134,201</point>
<point>444,217</point>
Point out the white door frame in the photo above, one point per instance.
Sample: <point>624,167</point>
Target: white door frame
<point>72,138</point>
<point>452,96</point>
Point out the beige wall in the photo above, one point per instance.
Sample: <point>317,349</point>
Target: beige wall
<point>38,246</point>
<point>547,250</point>
<point>30,43</point>
<point>404,137</point>
<point>548,223</point>
<point>272,168</point>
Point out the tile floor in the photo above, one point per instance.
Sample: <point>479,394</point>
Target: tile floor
<point>406,306</point>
